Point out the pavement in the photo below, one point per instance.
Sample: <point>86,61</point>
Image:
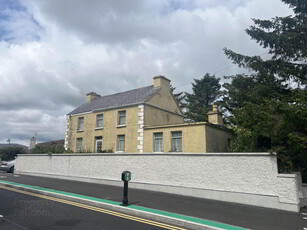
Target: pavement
<point>244,216</point>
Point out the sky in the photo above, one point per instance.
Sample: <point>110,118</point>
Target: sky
<point>53,52</point>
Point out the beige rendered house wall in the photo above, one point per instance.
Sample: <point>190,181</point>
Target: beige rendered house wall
<point>109,131</point>
<point>193,137</point>
<point>156,116</point>
<point>165,100</point>
<point>162,108</point>
<point>217,139</point>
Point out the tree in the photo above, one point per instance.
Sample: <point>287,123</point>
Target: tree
<point>206,91</point>
<point>285,37</point>
<point>269,106</point>
<point>9,153</point>
<point>180,98</point>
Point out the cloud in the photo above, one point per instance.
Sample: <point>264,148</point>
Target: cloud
<point>53,52</point>
<point>22,124</point>
<point>16,25</point>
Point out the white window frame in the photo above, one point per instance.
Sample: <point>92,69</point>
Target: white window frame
<point>154,142</point>
<point>96,142</point>
<point>79,124</point>
<point>173,138</point>
<point>82,145</point>
<point>117,143</point>
<point>119,116</point>
<point>97,119</point>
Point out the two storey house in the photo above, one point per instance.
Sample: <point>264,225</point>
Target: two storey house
<point>146,119</point>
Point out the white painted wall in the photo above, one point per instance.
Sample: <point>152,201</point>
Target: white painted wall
<point>305,194</point>
<point>249,178</point>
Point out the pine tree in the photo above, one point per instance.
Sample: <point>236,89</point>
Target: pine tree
<point>286,39</point>
<point>206,91</point>
<point>269,107</point>
<point>180,98</point>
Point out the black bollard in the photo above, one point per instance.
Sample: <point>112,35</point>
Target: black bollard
<point>125,200</point>
<point>126,176</point>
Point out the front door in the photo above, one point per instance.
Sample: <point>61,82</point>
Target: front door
<point>98,144</point>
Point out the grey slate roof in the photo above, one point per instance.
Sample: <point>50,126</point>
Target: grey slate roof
<point>127,98</point>
<point>59,143</point>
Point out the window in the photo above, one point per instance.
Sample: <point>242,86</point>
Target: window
<point>177,141</point>
<point>158,142</point>
<point>99,121</point>
<point>98,144</point>
<point>121,143</point>
<point>122,117</point>
<point>79,145</point>
<point>80,123</point>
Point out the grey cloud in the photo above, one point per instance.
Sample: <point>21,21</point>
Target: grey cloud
<point>21,125</point>
<point>113,46</point>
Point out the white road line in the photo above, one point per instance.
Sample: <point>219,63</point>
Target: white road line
<point>305,218</point>
<point>304,214</point>
<point>305,228</point>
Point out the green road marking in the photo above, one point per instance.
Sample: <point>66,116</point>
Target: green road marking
<point>135,207</point>
<point>61,192</point>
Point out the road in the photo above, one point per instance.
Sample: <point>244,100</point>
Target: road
<point>249,217</point>
<point>22,211</point>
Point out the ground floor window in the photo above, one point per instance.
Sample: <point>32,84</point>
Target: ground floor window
<point>98,144</point>
<point>79,145</point>
<point>158,142</point>
<point>121,143</point>
<point>177,141</point>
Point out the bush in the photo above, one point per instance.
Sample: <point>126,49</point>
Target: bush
<point>9,153</point>
<point>48,149</point>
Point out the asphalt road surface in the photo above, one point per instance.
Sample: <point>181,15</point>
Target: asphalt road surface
<point>21,211</point>
<point>249,217</point>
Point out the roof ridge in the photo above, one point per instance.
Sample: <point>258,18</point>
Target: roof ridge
<point>129,97</point>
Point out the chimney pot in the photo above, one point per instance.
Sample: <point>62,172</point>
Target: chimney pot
<point>161,81</point>
<point>215,116</point>
<point>91,96</point>
<point>215,108</point>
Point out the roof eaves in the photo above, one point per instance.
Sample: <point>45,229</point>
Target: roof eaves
<point>116,107</point>
<point>108,108</point>
<point>74,114</point>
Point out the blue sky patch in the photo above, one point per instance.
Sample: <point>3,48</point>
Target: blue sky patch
<point>17,25</point>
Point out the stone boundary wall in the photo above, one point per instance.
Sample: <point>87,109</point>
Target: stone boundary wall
<point>246,178</point>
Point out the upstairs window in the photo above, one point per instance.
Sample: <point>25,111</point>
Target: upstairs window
<point>158,142</point>
<point>177,141</point>
<point>79,145</point>
<point>80,123</point>
<point>121,143</point>
<point>122,117</point>
<point>99,121</point>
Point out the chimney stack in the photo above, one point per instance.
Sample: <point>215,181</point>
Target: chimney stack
<point>215,116</point>
<point>161,81</point>
<point>91,96</point>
